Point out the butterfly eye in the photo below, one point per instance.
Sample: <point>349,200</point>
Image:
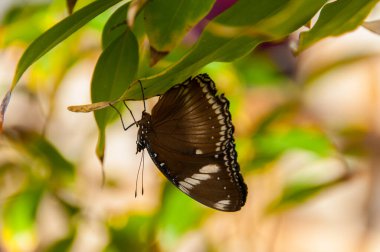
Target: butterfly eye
<point>189,137</point>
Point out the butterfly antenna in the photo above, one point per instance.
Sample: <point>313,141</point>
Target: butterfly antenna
<point>130,111</point>
<point>138,172</point>
<point>121,118</point>
<point>142,174</point>
<point>143,96</point>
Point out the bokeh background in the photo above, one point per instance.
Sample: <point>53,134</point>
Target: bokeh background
<point>307,130</point>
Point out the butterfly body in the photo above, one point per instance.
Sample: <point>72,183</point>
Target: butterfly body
<point>189,137</point>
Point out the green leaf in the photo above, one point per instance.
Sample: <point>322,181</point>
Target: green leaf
<point>61,168</point>
<point>136,235</point>
<point>58,33</point>
<point>114,71</point>
<point>337,64</point>
<point>19,212</point>
<point>50,39</point>
<point>61,245</point>
<point>168,21</point>
<point>115,25</point>
<point>178,215</point>
<point>299,192</point>
<point>270,145</point>
<point>337,18</point>
<point>233,34</point>
<point>39,148</point>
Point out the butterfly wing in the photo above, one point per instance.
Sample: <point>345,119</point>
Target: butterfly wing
<point>192,143</point>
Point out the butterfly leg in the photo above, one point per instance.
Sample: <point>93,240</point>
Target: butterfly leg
<point>121,118</point>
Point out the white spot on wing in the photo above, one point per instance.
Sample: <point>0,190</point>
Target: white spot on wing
<point>201,176</point>
<point>211,168</point>
<point>198,151</point>
<point>222,204</point>
<point>185,184</point>
<point>215,106</point>
<point>192,181</point>
<point>225,202</point>
<point>183,189</point>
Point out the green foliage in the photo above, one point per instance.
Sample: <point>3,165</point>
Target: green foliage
<point>58,33</point>
<point>337,18</point>
<point>115,25</point>
<point>136,235</point>
<point>298,192</point>
<point>168,21</point>
<point>19,213</point>
<point>36,147</point>
<point>272,144</point>
<point>42,169</point>
<point>178,214</point>
<point>233,34</point>
<point>114,71</point>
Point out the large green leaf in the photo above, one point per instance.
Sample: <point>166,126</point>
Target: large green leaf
<point>270,145</point>
<point>114,71</point>
<point>231,35</point>
<point>115,25</point>
<point>336,18</point>
<point>58,33</point>
<point>296,193</point>
<point>168,21</point>
<point>50,39</point>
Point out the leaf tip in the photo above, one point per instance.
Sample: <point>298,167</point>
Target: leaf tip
<point>88,107</point>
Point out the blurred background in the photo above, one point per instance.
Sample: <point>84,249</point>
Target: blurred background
<point>307,131</point>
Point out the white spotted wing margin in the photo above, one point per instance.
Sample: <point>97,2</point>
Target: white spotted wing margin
<point>189,136</point>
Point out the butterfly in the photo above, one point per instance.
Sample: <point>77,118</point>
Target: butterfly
<point>189,136</point>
